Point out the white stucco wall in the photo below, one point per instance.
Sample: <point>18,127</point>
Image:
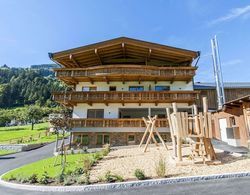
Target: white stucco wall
<point>103,86</point>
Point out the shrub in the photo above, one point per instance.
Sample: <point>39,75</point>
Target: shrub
<point>139,174</point>
<point>45,178</point>
<point>72,151</point>
<point>21,179</point>
<point>33,178</point>
<point>106,149</point>
<point>87,163</point>
<point>80,180</point>
<point>84,179</point>
<point>12,178</point>
<point>69,181</point>
<point>77,171</point>
<point>97,156</point>
<point>112,177</point>
<point>60,177</point>
<point>160,168</point>
<point>87,177</point>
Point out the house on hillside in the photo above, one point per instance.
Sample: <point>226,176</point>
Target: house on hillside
<point>232,123</point>
<point>117,82</point>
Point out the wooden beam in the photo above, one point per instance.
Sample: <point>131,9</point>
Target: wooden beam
<point>148,56</point>
<point>73,60</point>
<point>98,56</point>
<point>123,50</point>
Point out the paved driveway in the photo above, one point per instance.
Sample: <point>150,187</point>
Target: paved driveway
<point>226,186</point>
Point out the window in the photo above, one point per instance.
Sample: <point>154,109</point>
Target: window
<point>131,139</point>
<point>85,140</point>
<point>106,139</point>
<point>136,88</point>
<point>232,121</point>
<point>82,140</point>
<point>78,139</point>
<point>160,112</point>
<point>162,88</point>
<point>102,139</point>
<point>99,139</point>
<point>112,88</point>
<point>95,113</point>
<point>87,88</point>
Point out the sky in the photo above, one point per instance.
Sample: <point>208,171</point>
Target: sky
<point>29,29</point>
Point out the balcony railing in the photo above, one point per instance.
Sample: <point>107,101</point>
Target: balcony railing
<point>104,122</point>
<point>126,97</point>
<point>111,72</point>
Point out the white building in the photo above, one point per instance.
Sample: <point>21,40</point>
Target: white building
<point>117,82</point>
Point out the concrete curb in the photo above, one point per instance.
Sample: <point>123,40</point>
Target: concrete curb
<point>123,185</point>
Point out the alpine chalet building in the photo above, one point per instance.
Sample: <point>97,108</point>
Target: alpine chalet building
<point>117,82</point>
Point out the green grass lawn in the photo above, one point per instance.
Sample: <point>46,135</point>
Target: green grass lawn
<point>7,133</point>
<point>73,161</point>
<point>5,152</point>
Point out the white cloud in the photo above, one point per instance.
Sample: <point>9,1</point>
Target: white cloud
<point>234,13</point>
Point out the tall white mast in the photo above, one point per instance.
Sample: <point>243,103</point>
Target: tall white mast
<point>218,73</point>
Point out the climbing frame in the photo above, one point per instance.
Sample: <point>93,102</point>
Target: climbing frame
<point>197,127</point>
<point>151,131</point>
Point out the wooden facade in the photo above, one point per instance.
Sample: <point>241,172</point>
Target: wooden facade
<point>230,94</point>
<point>236,114</point>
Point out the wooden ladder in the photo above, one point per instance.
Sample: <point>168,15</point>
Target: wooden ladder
<point>198,148</point>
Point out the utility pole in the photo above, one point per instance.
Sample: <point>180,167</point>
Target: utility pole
<point>218,73</point>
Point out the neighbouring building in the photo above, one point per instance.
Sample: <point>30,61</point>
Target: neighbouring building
<point>233,90</point>
<point>232,123</point>
<point>117,82</point>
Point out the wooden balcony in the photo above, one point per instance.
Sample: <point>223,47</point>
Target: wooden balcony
<point>109,73</point>
<point>120,122</point>
<point>72,98</point>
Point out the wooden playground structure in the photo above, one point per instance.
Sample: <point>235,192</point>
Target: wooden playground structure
<point>195,128</point>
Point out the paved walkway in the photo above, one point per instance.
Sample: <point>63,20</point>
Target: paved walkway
<point>224,146</point>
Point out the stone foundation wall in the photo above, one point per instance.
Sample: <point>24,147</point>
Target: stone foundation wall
<point>115,138</point>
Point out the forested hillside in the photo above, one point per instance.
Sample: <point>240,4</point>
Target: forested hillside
<point>19,87</point>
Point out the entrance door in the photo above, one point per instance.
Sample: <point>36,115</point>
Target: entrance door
<point>223,129</point>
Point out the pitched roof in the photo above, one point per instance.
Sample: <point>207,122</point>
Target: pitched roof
<point>123,50</point>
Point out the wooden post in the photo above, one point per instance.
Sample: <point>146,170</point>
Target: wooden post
<point>205,106</point>
<point>178,137</point>
<point>196,120</point>
<point>171,131</point>
<point>150,135</point>
<point>148,126</point>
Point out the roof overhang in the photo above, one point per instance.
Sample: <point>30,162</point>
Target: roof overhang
<point>237,103</point>
<point>124,50</point>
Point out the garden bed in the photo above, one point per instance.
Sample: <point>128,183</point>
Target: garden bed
<point>125,161</point>
<point>51,171</point>
<point>121,164</point>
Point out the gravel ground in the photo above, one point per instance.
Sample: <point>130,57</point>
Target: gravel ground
<point>124,161</point>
